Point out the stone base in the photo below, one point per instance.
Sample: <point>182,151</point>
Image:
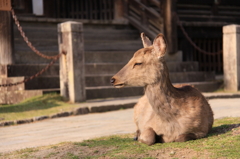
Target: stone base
<point>9,80</point>
<point>13,97</point>
<point>174,57</point>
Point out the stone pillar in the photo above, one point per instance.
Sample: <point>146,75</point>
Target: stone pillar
<point>72,70</point>
<point>6,38</point>
<point>231,57</point>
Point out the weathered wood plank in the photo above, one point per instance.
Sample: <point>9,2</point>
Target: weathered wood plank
<point>6,38</point>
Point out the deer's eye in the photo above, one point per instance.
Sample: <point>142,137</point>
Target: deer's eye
<point>137,64</point>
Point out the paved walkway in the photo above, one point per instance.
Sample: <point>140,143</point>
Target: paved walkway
<point>79,128</point>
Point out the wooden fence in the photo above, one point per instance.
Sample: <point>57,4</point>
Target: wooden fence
<point>206,62</point>
<point>80,9</point>
<point>145,16</point>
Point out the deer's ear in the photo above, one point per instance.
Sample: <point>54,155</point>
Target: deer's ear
<point>145,40</point>
<point>159,45</point>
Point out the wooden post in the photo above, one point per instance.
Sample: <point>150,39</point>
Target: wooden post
<point>6,38</point>
<point>231,57</point>
<point>72,70</point>
<point>143,14</point>
<point>119,11</point>
<point>170,26</point>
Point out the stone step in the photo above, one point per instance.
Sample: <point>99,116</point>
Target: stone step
<point>49,82</point>
<point>12,80</point>
<point>36,42</point>
<point>108,56</point>
<point>116,45</point>
<point>111,34</point>
<point>175,77</point>
<point>46,82</point>
<point>121,56</point>
<point>93,45</point>
<point>50,32</point>
<point>112,68</point>
<point>90,68</point>
<point>31,69</point>
<point>205,86</point>
<point>39,33</point>
<point>180,77</point>
<point>22,47</point>
<point>111,92</point>
<point>13,97</point>
<point>29,57</point>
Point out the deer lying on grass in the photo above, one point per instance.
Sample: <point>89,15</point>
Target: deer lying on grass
<point>165,113</point>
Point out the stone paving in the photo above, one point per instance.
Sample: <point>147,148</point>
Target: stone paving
<point>79,128</point>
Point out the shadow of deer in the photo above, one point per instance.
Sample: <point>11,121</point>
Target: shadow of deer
<point>165,113</point>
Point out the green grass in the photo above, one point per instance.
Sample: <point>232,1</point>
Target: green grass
<point>220,143</point>
<point>41,105</point>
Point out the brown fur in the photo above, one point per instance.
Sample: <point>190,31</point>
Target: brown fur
<point>165,113</point>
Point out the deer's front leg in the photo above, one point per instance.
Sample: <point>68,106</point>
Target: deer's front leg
<point>137,135</point>
<point>147,136</point>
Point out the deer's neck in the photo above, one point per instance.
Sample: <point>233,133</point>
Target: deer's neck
<point>161,94</point>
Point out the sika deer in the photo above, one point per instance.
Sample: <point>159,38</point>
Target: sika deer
<point>165,113</point>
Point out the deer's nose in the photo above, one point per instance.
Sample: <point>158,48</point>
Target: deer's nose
<point>112,80</point>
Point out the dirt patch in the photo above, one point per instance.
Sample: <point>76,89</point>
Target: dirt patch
<point>168,153</point>
<point>70,150</point>
<point>236,131</point>
<point>65,150</point>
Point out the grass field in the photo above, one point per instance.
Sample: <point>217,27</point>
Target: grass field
<point>222,142</point>
<point>38,106</point>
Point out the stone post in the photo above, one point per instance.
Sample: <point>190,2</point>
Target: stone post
<point>231,57</point>
<point>6,38</point>
<point>72,70</point>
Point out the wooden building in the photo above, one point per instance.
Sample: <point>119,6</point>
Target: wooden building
<point>111,36</point>
<point>202,20</point>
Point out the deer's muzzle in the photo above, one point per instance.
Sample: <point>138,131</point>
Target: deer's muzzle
<point>116,84</point>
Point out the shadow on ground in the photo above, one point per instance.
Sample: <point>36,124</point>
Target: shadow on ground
<point>223,129</point>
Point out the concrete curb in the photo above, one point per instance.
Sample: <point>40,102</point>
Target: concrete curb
<point>105,105</point>
<point>221,95</point>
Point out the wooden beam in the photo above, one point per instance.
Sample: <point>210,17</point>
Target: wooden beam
<point>6,38</point>
<point>119,11</point>
<point>170,26</point>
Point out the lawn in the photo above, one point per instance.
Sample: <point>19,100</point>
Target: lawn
<point>38,106</point>
<point>222,142</point>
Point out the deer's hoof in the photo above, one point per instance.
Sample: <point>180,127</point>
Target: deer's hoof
<point>135,138</point>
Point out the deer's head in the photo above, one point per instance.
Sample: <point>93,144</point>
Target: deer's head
<point>145,66</point>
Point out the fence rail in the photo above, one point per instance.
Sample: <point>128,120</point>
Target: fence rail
<point>145,17</point>
<point>207,62</point>
<point>76,9</point>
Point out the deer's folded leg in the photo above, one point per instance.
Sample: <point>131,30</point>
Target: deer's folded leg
<point>148,136</point>
<point>186,137</point>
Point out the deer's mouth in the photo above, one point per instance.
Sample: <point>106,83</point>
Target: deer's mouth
<point>120,85</point>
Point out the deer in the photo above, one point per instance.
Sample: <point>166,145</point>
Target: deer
<point>164,113</point>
